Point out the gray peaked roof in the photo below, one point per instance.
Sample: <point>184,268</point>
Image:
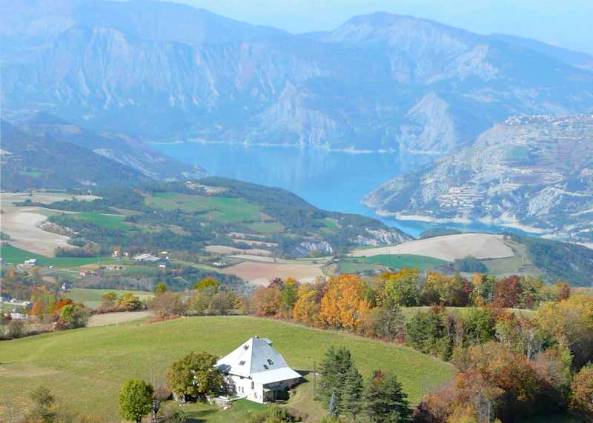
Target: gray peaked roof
<point>258,360</point>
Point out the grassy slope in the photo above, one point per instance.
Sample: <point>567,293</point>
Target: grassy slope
<point>86,367</point>
<point>393,261</point>
<point>223,209</point>
<point>15,255</point>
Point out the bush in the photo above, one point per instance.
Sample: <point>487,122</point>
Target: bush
<point>15,329</point>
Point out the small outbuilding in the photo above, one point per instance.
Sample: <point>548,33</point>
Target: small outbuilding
<point>257,372</point>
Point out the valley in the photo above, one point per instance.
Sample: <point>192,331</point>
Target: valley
<point>211,220</point>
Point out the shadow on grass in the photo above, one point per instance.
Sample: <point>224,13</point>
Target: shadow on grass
<point>199,416</point>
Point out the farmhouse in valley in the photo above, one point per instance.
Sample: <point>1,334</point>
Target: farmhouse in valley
<point>257,372</point>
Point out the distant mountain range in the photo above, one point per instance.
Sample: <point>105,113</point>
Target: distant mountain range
<point>168,71</point>
<point>532,171</point>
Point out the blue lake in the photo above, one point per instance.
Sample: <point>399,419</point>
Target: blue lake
<point>332,180</point>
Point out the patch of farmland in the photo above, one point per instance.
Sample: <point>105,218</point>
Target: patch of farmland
<point>23,223</point>
<point>219,209</point>
<point>448,247</point>
<point>260,273</point>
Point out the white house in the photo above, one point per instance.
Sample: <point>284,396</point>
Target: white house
<point>257,372</point>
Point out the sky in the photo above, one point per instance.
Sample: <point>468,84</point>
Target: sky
<point>565,23</point>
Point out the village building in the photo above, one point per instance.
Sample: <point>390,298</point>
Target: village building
<point>257,372</point>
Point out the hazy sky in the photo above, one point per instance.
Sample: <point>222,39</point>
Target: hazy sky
<point>566,23</point>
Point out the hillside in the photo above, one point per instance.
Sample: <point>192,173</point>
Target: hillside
<point>533,172</point>
<point>33,162</point>
<point>494,254</point>
<point>112,354</point>
<point>45,152</point>
<point>381,81</point>
<point>213,215</point>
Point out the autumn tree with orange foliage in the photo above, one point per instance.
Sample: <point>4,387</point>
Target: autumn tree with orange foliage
<point>266,301</point>
<point>306,308</point>
<point>344,305</point>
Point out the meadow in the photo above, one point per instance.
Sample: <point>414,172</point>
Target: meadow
<point>220,209</point>
<point>86,367</point>
<point>392,261</point>
<point>14,255</point>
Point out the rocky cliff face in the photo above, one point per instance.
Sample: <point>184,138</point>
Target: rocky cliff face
<point>535,171</point>
<point>381,81</point>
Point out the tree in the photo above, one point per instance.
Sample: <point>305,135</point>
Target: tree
<point>336,367</point>
<point>581,400</point>
<point>446,290</point>
<point>478,325</point>
<point>385,400</point>
<point>168,304</point>
<point>570,323</point>
<point>352,392</point>
<point>194,376</point>
<point>130,302</point>
<point>73,316</point>
<point>160,288</point>
<point>344,304</point>
<point>108,300</point>
<point>208,282</point>
<point>266,301</point>
<point>135,400</point>
<point>402,287</point>
<point>223,302</point>
<point>385,323</point>
<point>426,332</point>
<point>288,297</point>
<point>306,307</point>
<point>508,292</point>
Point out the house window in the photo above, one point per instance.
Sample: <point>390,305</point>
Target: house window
<point>270,362</point>
<point>266,367</point>
<point>241,363</point>
<point>245,347</point>
<point>252,385</point>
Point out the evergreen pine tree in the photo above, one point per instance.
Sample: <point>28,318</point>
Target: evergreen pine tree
<point>352,393</point>
<point>336,368</point>
<point>328,383</point>
<point>385,401</point>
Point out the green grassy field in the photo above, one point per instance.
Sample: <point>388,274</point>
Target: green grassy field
<point>222,209</point>
<point>110,221</point>
<point>92,297</point>
<point>393,261</point>
<point>86,367</point>
<point>13,255</point>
